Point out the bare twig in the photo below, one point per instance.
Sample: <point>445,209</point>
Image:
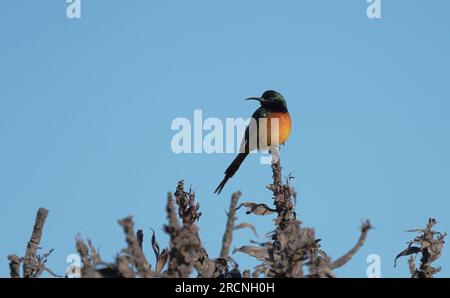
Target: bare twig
<point>94,255</point>
<point>14,266</point>
<point>187,209</point>
<point>282,195</point>
<point>291,244</point>
<point>83,251</point>
<point>122,264</point>
<point>140,237</point>
<point>184,248</point>
<point>40,264</point>
<point>133,249</point>
<point>228,235</point>
<point>89,258</point>
<point>171,215</point>
<point>30,263</point>
<point>412,265</point>
<point>362,238</point>
<point>49,271</point>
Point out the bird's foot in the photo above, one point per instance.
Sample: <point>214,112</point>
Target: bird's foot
<point>275,151</point>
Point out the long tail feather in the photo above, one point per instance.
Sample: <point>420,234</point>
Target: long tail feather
<point>231,170</point>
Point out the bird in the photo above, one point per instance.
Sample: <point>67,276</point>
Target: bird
<point>273,106</point>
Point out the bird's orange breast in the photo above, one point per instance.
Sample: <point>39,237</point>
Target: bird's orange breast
<point>284,126</point>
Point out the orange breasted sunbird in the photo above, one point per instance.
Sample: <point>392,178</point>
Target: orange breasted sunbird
<point>272,126</point>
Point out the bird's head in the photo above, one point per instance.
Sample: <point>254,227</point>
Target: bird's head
<point>271,100</point>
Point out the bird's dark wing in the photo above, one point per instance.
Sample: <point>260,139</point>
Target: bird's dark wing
<point>252,130</point>
<point>245,149</point>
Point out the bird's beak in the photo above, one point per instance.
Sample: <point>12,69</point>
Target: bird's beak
<point>255,98</point>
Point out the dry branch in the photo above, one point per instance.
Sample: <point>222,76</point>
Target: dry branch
<point>140,238</point>
<point>292,246</point>
<point>289,248</point>
<point>430,245</point>
<point>40,265</point>
<point>228,235</point>
<point>14,266</point>
<point>412,266</point>
<point>30,263</point>
<point>187,209</point>
<point>184,240</point>
<point>83,252</point>
<point>96,260</point>
<point>89,259</point>
<point>133,250</point>
<point>362,238</point>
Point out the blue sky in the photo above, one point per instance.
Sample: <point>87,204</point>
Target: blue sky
<point>86,107</point>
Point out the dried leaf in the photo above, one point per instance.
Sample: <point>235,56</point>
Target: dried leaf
<point>155,245</point>
<point>162,260</point>
<point>247,225</point>
<point>257,209</point>
<point>408,251</point>
<point>49,271</point>
<point>254,251</point>
<point>94,255</point>
<point>414,230</point>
